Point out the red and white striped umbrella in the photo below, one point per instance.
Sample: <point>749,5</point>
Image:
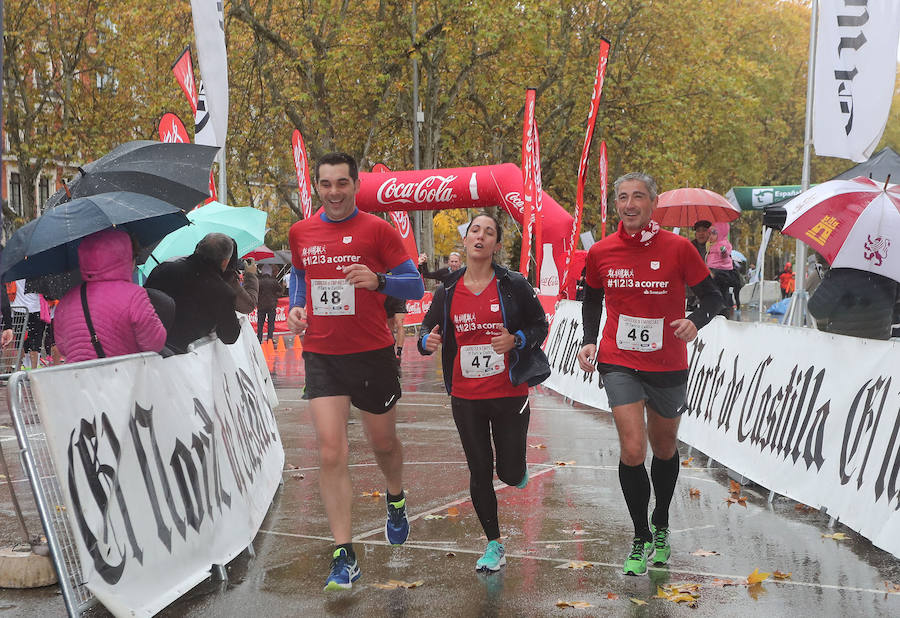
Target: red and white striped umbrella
<point>852,223</point>
<point>684,207</point>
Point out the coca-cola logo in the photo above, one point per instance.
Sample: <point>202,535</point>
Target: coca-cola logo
<point>551,281</point>
<point>433,189</point>
<point>515,198</point>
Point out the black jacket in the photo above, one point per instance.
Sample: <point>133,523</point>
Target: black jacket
<point>855,303</point>
<point>204,302</point>
<point>521,311</point>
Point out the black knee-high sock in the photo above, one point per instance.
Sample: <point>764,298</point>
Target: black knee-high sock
<point>636,487</point>
<point>664,473</point>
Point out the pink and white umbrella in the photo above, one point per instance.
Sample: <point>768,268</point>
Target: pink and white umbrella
<point>852,223</point>
<point>684,207</point>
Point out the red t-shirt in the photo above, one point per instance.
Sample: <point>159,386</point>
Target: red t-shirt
<point>478,371</point>
<point>643,283</point>
<point>343,319</point>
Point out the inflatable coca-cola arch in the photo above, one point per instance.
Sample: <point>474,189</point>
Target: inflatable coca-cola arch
<point>464,187</point>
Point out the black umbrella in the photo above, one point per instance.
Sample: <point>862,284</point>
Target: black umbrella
<point>175,173</point>
<point>49,244</point>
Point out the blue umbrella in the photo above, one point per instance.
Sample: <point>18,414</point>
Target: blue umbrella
<point>737,255</point>
<point>246,225</point>
<point>49,244</point>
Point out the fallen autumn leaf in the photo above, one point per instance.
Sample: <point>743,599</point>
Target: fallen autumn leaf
<point>837,536</point>
<point>612,596</point>
<point>433,516</point>
<point>694,492</point>
<point>536,446</point>
<point>756,577</point>
<point>575,604</point>
<point>780,575</point>
<point>372,494</point>
<point>637,601</point>
<point>735,487</point>
<point>394,584</point>
<point>565,463</point>
<point>453,511</point>
<point>687,462</point>
<point>703,553</point>
<point>579,564</point>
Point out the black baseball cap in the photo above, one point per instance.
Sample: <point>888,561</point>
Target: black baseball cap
<point>702,223</point>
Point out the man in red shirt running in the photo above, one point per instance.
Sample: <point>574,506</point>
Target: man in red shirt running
<point>339,282</point>
<point>642,271</point>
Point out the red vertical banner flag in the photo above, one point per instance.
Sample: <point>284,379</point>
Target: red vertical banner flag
<point>171,130</point>
<point>604,169</point>
<point>528,181</point>
<point>582,163</point>
<point>538,202</point>
<point>184,73</point>
<point>401,222</point>
<point>301,165</point>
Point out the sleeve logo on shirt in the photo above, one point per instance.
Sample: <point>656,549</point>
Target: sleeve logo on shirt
<point>654,265</point>
<point>348,240</point>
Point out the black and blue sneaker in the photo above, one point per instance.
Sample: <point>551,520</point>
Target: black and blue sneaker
<point>396,529</point>
<point>344,571</point>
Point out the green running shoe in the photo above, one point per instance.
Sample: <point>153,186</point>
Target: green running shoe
<point>494,557</point>
<point>636,562</point>
<point>661,548</point>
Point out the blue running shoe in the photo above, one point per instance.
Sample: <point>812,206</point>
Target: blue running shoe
<point>396,529</point>
<point>494,557</point>
<point>344,571</point>
<point>524,480</point>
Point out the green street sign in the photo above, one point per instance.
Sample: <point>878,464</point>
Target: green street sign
<point>757,198</point>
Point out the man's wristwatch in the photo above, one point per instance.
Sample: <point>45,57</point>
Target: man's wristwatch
<point>382,281</point>
<point>518,342</point>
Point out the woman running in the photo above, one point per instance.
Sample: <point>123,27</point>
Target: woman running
<point>491,326</point>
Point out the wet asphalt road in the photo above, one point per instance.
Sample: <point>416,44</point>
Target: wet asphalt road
<point>571,512</point>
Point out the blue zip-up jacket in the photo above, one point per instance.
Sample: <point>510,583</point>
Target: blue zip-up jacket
<point>522,314</point>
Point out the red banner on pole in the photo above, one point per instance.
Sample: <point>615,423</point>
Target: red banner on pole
<point>604,168</point>
<point>171,130</point>
<point>401,222</point>
<point>184,73</point>
<point>582,163</point>
<point>527,181</point>
<point>538,203</point>
<point>301,164</point>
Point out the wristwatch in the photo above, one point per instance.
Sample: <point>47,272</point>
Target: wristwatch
<point>382,281</point>
<point>519,342</point>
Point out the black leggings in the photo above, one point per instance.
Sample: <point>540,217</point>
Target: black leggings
<point>477,420</point>
<point>261,316</point>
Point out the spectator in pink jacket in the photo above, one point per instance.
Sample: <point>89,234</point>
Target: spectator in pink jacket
<point>121,313</point>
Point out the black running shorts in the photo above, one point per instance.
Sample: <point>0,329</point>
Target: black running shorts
<point>371,379</point>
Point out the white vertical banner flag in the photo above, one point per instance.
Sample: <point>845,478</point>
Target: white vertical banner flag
<point>209,33</point>
<point>856,67</point>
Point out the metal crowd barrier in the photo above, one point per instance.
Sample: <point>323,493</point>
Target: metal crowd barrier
<point>34,452</point>
<point>11,356</point>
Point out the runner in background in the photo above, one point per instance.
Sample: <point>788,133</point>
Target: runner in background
<point>395,308</point>
<point>492,327</point>
<point>338,286</point>
<point>642,270</point>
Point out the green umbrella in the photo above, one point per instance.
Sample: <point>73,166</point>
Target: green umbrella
<point>247,226</point>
